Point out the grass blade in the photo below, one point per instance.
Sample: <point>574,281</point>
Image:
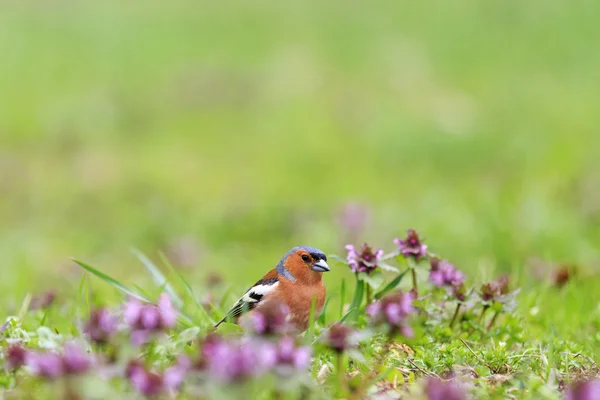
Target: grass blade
<point>392,285</point>
<point>158,277</point>
<point>190,292</point>
<point>111,281</point>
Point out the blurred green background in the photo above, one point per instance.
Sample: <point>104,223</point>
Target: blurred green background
<point>225,133</point>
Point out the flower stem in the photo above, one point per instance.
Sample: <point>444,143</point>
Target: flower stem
<point>491,324</point>
<point>483,310</point>
<point>455,314</point>
<point>368,294</point>
<point>414,279</point>
<point>341,384</point>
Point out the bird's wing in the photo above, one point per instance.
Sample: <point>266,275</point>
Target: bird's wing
<point>251,298</point>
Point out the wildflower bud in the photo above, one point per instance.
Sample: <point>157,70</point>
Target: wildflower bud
<point>411,246</point>
<point>291,357</point>
<point>42,301</point>
<point>365,261</point>
<point>589,390</point>
<point>393,310</point>
<point>270,318</point>
<point>46,365</point>
<point>436,389</point>
<point>340,337</point>
<point>101,326</point>
<point>15,356</point>
<point>75,359</point>
<point>146,318</point>
<point>493,290</point>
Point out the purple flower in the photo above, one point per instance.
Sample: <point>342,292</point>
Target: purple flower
<point>393,310</point>
<point>101,326</point>
<point>589,390</point>
<point>493,290</point>
<point>436,389</point>
<point>235,361</point>
<point>75,359</point>
<point>42,301</point>
<point>50,365</point>
<point>15,356</point>
<point>173,376</point>
<point>46,365</point>
<point>411,246</point>
<point>270,318</point>
<point>291,357</point>
<point>146,318</point>
<point>443,273</point>
<point>365,261</point>
<point>145,382</point>
<point>340,337</point>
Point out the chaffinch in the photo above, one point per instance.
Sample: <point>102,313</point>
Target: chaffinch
<point>295,282</point>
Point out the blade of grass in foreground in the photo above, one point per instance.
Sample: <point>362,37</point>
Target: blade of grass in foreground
<point>158,277</point>
<point>111,281</point>
<point>190,292</point>
<point>184,319</point>
<point>392,285</point>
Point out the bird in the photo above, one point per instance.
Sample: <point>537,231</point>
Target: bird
<point>296,281</point>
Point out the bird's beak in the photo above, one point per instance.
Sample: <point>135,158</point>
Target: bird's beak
<point>320,266</point>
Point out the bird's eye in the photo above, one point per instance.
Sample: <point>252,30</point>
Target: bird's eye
<point>305,257</point>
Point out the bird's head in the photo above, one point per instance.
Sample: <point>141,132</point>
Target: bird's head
<point>303,263</point>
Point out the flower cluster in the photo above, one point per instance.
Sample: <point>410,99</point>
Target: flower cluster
<point>270,318</point>
<point>444,274</point>
<point>340,337</point>
<point>150,383</point>
<point>436,389</point>
<point>145,318</point>
<point>412,246</point>
<point>587,390</point>
<point>393,311</point>
<point>493,290</point>
<point>50,365</point>
<point>239,360</point>
<point>366,260</point>
<point>101,326</point>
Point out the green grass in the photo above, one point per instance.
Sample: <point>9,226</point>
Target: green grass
<point>243,129</point>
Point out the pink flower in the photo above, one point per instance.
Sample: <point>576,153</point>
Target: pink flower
<point>15,356</point>
<point>443,273</point>
<point>340,337</point>
<point>411,246</point>
<point>589,390</point>
<point>75,359</point>
<point>50,365</point>
<point>45,365</point>
<point>365,261</point>
<point>290,356</point>
<point>145,318</point>
<point>436,389</point>
<point>270,318</point>
<point>393,311</point>
<point>101,326</point>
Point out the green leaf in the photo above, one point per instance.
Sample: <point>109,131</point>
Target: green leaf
<point>227,327</point>
<point>338,259</point>
<point>342,297</point>
<point>387,267</point>
<point>392,285</point>
<point>111,281</point>
<point>358,296</point>
<point>321,319</point>
<point>375,280</point>
<point>345,316</point>
<point>158,277</point>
